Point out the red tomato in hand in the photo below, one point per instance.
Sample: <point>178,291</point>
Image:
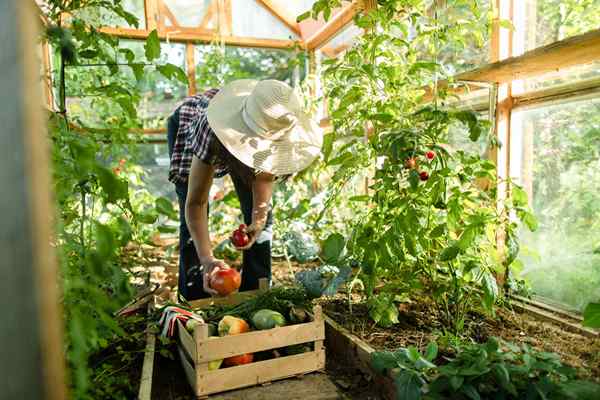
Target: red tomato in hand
<point>423,175</point>
<point>430,155</point>
<point>225,280</point>
<point>239,237</point>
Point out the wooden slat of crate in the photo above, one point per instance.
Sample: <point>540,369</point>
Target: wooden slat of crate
<point>255,341</point>
<point>259,372</point>
<point>186,341</point>
<point>190,373</point>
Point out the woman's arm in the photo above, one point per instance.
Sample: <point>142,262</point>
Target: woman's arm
<point>196,215</point>
<point>262,190</point>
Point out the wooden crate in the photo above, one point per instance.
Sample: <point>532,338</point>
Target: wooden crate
<point>197,350</point>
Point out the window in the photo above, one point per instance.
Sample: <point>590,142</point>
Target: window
<point>555,154</point>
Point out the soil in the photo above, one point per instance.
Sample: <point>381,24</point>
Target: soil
<point>419,325</point>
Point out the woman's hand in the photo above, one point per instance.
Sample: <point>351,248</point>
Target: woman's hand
<point>209,264</point>
<point>253,231</point>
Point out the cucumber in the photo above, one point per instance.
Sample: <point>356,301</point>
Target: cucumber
<point>267,319</point>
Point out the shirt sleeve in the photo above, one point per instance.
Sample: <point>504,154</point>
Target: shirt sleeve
<point>200,140</point>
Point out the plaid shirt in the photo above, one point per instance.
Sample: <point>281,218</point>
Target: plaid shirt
<point>194,137</point>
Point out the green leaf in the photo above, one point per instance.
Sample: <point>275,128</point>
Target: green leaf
<point>327,145</point>
<point>383,117</point>
<point>490,290</point>
<point>114,187</point>
<point>408,386</point>
<point>470,392</point>
<point>171,71</point>
<point>382,361</point>
<point>467,237</point>
<point>165,207</point>
<point>333,247</point>
<point>152,46</point>
<point>591,315</point>
<point>437,231</point>
<point>138,71</point>
<point>449,253</point>
<point>528,219</point>
<point>431,351</point>
<point>303,16</point>
<point>456,381</point>
<point>88,53</point>
<point>519,196</point>
<point>105,240</point>
<point>512,245</point>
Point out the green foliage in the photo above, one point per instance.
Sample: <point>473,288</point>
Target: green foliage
<point>591,315</point>
<point>102,218</point>
<point>495,369</point>
<point>432,236</point>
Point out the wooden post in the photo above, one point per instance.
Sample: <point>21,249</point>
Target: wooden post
<point>151,9</point>
<point>32,364</point>
<point>191,68</point>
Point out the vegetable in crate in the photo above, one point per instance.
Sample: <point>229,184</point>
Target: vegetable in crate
<point>225,280</point>
<point>298,315</point>
<point>267,319</point>
<point>324,280</point>
<point>238,360</point>
<point>232,326</point>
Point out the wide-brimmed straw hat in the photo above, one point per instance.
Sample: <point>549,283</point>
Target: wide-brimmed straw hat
<point>263,125</point>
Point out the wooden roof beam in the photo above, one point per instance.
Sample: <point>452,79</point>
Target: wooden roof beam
<point>334,25</point>
<point>280,12</point>
<point>185,37</point>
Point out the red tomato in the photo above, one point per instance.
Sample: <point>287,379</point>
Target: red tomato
<point>430,155</point>
<point>423,175</point>
<point>239,237</point>
<point>225,280</point>
<point>238,360</point>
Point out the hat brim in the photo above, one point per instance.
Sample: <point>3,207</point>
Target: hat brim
<point>295,151</point>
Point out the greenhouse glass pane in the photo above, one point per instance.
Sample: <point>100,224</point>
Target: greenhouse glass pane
<point>217,65</point>
<point>94,16</point>
<point>555,155</point>
<point>252,20</point>
<point>160,96</point>
<point>342,41</point>
<point>187,13</point>
<point>466,25</point>
<point>567,76</point>
<point>548,21</point>
<point>458,133</point>
<point>154,160</point>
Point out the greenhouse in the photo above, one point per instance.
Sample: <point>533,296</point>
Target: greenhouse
<point>301,199</point>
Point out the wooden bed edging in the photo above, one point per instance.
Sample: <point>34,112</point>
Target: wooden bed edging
<point>145,391</point>
<point>355,352</point>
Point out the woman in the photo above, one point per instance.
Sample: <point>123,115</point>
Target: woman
<point>255,131</point>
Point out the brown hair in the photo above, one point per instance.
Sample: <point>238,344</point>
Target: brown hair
<point>227,161</point>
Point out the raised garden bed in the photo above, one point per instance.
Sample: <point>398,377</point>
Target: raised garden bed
<point>353,337</point>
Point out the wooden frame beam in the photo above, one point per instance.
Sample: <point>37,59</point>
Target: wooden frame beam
<point>576,50</point>
<point>334,26</point>
<point>279,12</point>
<point>191,68</point>
<point>194,37</point>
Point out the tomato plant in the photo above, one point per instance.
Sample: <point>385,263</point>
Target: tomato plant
<point>431,225</point>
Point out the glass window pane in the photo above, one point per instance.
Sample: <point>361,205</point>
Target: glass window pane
<point>135,7</point>
<point>548,21</point>
<point>252,20</point>
<point>217,65</point>
<point>458,134</point>
<point>568,76</point>
<point>187,13</point>
<point>555,154</point>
